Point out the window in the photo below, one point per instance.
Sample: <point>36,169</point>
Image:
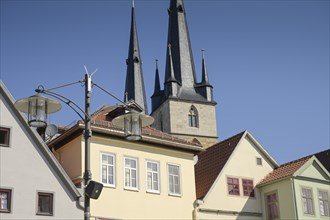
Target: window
<point>193,117</point>
<point>152,176</point>
<point>5,200</point>
<point>259,161</point>
<point>272,206</point>
<point>131,175</point>
<point>324,203</point>
<point>174,179</point>
<point>248,187</point>
<point>108,169</point>
<point>4,136</point>
<point>233,186</point>
<point>307,197</point>
<point>45,203</point>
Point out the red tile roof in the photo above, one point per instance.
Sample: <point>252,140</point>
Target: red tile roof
<point>288,169</point>
<point>284,170</point>
<point>211,162</point>
<point>102,119</point>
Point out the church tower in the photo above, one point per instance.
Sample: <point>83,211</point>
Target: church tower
<point>134,87</point>
<point>184,108</point>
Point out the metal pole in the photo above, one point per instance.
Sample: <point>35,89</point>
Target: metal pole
<point>87,136</point>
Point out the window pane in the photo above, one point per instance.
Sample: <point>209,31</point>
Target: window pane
<point>4,136</point>
<point>324,204</point>
<point>45,203</point>
<point>4,200</point>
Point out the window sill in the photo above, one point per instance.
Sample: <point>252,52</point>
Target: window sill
<point>153,192</point>
<point>109,186</point>
<point>5,211</point>
<point>44,214</point>
<point>131,189</point>
<point>175,195</point>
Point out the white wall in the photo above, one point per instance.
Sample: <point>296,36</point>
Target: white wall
<point>25,171</point>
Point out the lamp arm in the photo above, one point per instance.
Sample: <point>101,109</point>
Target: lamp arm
<point>113,96</point>
<point>67,101</point>
<point>41,88</point>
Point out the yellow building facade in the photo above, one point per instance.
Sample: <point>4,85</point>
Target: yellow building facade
<point>150,179</point>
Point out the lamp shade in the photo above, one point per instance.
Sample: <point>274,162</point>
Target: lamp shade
<point>37,107</point>
<point>133,122</point>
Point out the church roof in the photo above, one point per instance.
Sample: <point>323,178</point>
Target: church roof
<point>134,88</point>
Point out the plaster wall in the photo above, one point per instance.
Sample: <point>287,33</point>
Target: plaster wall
<point>315,186</point>
<point>241,165</point>
<point>120,203</point>
<point>25,171</point>
<point>70,157</point>
<point>285,198</point>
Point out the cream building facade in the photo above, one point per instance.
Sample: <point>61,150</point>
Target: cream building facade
<point>226,176</point>
<point>150,179</point>
<point>296,190</point>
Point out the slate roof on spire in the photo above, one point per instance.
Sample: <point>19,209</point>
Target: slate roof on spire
<point>205,77</point>
<point>157,82</point>
<point>134,76</point>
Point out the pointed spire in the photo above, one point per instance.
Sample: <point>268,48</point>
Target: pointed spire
<point>205,78</point>
<point>134,76</point>
<point>178,37</point>
<point>157,82</point>
<point>171,68</point>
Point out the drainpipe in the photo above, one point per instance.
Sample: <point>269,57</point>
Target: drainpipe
<point>197,203</point>
<point>294,199</point>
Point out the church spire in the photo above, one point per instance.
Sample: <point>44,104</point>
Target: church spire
<point>178,38</point>
<point>205,78</point>
<point>134,88</point>
<point>157,82</point>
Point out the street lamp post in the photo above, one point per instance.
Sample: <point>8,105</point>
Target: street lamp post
<point>38,107</point>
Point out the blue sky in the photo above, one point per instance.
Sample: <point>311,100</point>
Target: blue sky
<point>268,61</point>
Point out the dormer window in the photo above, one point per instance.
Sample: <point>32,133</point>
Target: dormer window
<point>193,117</point>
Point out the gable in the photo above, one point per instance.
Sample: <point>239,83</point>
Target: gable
<point>27,156</point>
<point>242,163</point>
<point>314,170</point>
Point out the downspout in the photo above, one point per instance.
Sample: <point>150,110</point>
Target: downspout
<point>294,198</point>
<point>197,203</point>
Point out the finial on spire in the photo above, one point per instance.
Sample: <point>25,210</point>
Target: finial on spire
<point>203,52</point>
<point>157,63</point>
<point>132,3</point>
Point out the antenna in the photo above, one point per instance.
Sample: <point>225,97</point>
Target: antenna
<point>90,75</point>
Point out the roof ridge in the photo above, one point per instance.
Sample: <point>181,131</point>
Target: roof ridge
<point>227,139</point>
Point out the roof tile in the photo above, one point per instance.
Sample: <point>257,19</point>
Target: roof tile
<point>211,162</point>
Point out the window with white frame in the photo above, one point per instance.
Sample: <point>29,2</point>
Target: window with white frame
<point>174,179</point>
<point>307,198</point>
<point>324,203</point>
<point>131,173</point>
<point>108,170</point>
<point>152,176</point>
